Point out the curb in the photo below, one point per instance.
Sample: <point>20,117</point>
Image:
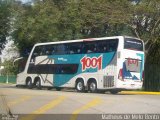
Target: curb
<point>140,93</point>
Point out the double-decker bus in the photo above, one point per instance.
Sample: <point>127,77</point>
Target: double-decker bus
<point>108,63</point>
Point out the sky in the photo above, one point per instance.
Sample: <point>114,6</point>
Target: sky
<point>24,1</point>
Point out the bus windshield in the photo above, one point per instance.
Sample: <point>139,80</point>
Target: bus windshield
<point>133,44</point>
<point>21,62</point>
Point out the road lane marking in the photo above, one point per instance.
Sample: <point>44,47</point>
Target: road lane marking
<point>44,108</point>
<point>90,104</point>
<point>20,100</point>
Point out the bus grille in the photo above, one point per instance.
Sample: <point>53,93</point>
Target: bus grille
<point>108,81</point>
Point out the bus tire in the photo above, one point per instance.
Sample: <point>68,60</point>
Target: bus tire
<point>29,84</point>
<point>92,86</point>
<point>80,86</point>
<point>58,88</point>
<point>17,86</point>
<point>114,91</point>
<point>38,84</point>
<point>49,88</point>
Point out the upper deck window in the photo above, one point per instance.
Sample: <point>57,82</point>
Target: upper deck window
<point>133,44</point>
<point>107,45</point>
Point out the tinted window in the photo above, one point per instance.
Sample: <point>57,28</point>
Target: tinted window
<point>50,49</point>
<point>99,46</point>
<point>36,51</point>
<point>61,49</point>
<point>107,45</point>
<point>44,50</point>
<point>133,44</point>
<point>74,48</point>
<point>90,47</point>
<point>22,64</point>
<point>52,69</point>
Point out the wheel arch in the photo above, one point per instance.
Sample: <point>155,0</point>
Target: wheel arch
<point>28,78</point>
<point>36,79</point>
<point>92,79</point>
<point>78,79</point>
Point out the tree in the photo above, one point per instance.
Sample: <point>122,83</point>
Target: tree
<point>146,25</point>
<point>5,15</point>
<point>9,68</point>
<point>35,23</point>
<point>54,20</point>
<point>10,51</point>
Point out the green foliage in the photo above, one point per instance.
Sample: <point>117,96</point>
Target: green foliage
<point>146,25</point>
<point>54,20</point>
<point>35,24</point>
<point>5,14</point>
<point>9,68</point>
<point>147,20</point>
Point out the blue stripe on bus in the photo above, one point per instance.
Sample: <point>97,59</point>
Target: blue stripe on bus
<point>142,64</point>
<point>61,79</point>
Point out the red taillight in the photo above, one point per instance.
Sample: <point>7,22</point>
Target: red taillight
<point>120,75</point>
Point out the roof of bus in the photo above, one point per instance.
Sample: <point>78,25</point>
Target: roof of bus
<point>83,40</point>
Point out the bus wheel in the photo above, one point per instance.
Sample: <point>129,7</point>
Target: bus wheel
<point>58,88</point>
<point>114,91</point>
<point>50,88</point>
<point>29,84</point>
<point>80,86</point>
<point>92,86</point>
<point>38,84</point>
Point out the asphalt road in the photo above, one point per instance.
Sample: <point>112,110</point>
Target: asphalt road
<point>69,105</point>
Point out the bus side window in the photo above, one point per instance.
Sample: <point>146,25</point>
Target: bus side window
<point>107,46</point>
<point>74,48</point>
<point>113,45</point>
<point>69,49</point>
<point>50,49</point>
<point>102,46</point>
<point>90,47</point>
<point>35,54</point>
<point>61,49</point>
<point>36,51</point>
<point>42,50</point>
<point>53,51</point>
<point>78,48</point>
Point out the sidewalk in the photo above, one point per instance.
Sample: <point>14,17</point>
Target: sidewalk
<point>6,84</point>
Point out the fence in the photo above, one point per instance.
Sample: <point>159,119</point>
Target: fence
<point>152,77</point>
<point>9,79</point>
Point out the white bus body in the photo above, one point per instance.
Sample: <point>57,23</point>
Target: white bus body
<point>108,63</point>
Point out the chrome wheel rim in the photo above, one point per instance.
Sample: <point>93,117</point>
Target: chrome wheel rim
<point>92,86</point>
<point>28,83</point>
<point>38,83</point>
<point>80,86</point>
